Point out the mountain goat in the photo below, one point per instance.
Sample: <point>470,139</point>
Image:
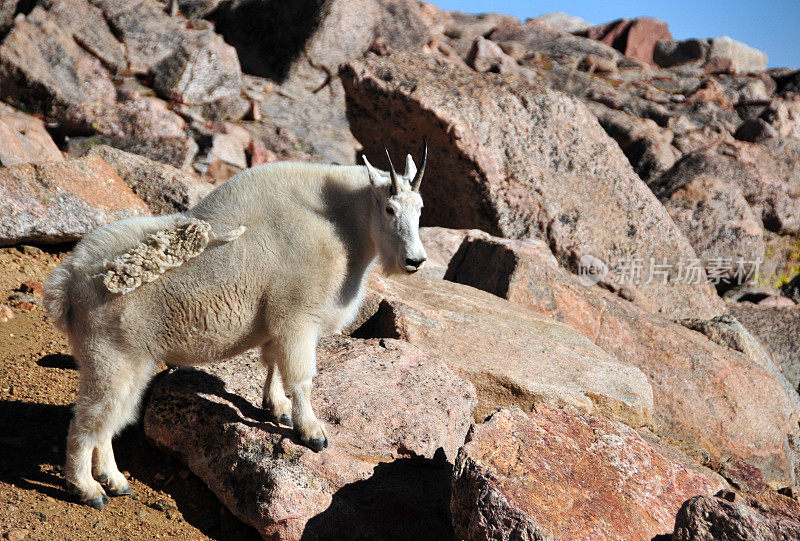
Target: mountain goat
<point>184,289</point>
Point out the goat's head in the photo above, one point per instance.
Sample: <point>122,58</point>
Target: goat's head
<point>396,215</point>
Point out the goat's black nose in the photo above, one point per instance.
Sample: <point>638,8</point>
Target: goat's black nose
<point>416,263</point>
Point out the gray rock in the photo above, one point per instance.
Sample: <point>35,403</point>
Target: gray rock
<point>190,65</point>
<point>162,187</point>
<point>89,28</point>
<point>708,518</point>
<point>563,21</point>
<point>720,54</point>
<point>740,57</point>
<point>755,130</point>
<point>778,330</point>
<point>668,52</point>
<point>724,231</point>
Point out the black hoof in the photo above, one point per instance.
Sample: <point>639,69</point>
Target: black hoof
<point>286,420</point>
<point>124,491</point>
<point>317,444</point>
<point>98,503</point>
<point>102,478</point>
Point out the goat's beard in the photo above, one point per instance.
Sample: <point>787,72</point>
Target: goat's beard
<point>390,266</point>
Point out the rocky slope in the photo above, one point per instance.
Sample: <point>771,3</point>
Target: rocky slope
<point>609,298</point>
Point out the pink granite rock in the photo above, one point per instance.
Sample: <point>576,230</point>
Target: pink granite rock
<point>716,393</point>
<point>560,474</point>
<point>517,159</point>
<point>62,201</point>
<point>392,416</point>
<point>512,355</point>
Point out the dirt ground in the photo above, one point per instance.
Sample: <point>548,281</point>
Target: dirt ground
<point>37,385</point>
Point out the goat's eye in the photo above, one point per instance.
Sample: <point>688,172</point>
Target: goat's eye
<point>390,211</point>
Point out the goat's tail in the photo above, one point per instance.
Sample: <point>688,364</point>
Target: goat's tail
<point>57,295</point>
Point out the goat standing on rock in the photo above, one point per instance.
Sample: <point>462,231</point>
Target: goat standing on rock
<point>274,258</point>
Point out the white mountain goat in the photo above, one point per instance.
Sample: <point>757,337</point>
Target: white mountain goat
<point>274,258</point>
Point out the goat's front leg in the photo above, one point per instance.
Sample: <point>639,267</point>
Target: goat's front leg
<point>275,400</point>
<point>297,361</point>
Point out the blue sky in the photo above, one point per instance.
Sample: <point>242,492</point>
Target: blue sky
<point>770,25</point>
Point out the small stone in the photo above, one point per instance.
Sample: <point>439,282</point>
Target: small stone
<point>17,534</point>
<point>5,313</point>
<point>31,286</point>
<point>30,250</point>
<point>162,505</point>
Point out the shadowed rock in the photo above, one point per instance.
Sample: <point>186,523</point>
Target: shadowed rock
<point>737,517</point>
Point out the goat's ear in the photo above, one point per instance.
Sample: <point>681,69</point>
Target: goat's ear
<point>374,176</point>
<point>411,168</point>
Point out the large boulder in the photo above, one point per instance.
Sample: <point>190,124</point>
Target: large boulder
<point>24,139</point>
<point>512,355</point>
<point>561,474</point>
<point>543,42</point>
<point>46,71</point>
<point>730,55</point>
<point>514,158</point>
<point>392,416</point>
<point>735,517</point>
<point>562,21</point>
<point>720,224</point>
<point>757,422</point>
<point>720,54</point>
<point>300,45</point>
<point>635,38</point>
<point>56,202</point>
<point>162,187</point>
<point>190,65</point>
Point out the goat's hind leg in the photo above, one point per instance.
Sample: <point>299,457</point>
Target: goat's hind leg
<point>109,393</point>
<point>275,400</point>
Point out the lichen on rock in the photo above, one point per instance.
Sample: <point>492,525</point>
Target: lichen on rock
<point>159,252</point>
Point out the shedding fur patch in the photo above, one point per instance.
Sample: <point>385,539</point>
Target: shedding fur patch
<point>159,252</point>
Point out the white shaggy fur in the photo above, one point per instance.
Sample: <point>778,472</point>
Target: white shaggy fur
<point>298,241</point>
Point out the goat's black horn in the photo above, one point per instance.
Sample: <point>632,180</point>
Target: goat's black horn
<point>421,171</point>
<point>392,172</point>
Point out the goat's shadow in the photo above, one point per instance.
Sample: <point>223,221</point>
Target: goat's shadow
<point>33,444</point>
<point>32,439</point>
